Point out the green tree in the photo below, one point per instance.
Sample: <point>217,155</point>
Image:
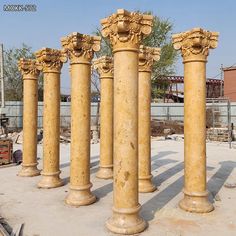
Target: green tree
<point>13,77</point>
<point>160,37</point>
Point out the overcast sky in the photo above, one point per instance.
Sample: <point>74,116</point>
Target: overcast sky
<point>56,18</point>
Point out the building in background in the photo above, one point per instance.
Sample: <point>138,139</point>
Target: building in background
<point>173,90</point>
<point>230,83</point>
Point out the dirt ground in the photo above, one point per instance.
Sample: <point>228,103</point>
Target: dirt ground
<point>44,213</point>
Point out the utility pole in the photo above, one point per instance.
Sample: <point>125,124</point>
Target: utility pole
<point>221,81</point>
<point>1,77</point>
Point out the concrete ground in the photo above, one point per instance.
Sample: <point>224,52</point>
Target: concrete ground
<point>44,213</point>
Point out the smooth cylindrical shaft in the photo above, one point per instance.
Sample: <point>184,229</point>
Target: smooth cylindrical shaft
<point>195,126</point>
<point>80,185</point>
<point>51,132</point>
<point>126,130</point>
<point>30,113</point>
<point>106,129</point>
<point>144,129</point>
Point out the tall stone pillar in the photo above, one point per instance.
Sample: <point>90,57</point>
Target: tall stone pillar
<point>125,31</point>
<point>50,61</point>
<point>147,56</point>
<point>194,46</point>
<point>104,66</point>
<point>30,117</point>
<point>80,49</point>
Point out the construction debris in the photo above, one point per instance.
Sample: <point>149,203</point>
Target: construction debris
<point>165,127</point>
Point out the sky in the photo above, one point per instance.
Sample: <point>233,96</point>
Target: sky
<point>57,18</point>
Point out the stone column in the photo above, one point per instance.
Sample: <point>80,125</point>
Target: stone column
<point>194,46</point>
<point>50,61</point>
<point>30,117</point>
<point>80,49</point>
<point>125,31</point>
<point>104,67</point>
<point>147,56</point>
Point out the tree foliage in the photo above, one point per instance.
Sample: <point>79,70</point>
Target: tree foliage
<point>13,77</point>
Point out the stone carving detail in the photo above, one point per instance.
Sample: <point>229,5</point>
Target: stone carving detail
<point>80,46</point>
<point>104,66</point>
<point>147,56</point>
<point>124,26</point>
<point>195,42</point>
<point>28,67</point>
<point>50,60</point>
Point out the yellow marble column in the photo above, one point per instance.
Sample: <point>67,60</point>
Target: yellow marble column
<point>194,46</point>
<point>30,117</point>
<point>125,31</point>
<point>80,49</point>
<point>50,61</point>
<point>147,56</point>
<point>104,67</point>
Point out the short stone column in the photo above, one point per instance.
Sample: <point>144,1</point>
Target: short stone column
<point>80,50</point>
<point>104,67</point>
<point>147,56</point>
<point>30,117</point>
<point>50,61</point>
<point>125,31</point>
<point>194,46</point>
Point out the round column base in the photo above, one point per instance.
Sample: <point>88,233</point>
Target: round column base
<point>80,196</point>
<point>126,221</point>
<point>29,170</point>
<point>196,202</point>
<point>105,173</point>
<point>145,185</point>
<point>50,180</point>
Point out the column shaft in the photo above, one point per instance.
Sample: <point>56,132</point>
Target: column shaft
<point>51,132</point>
<point>195,126</point>
<point>144,129</point>
<point>106,129</point>
<point>80,185</point>
<point>30,113</point>
<point>125,192</point>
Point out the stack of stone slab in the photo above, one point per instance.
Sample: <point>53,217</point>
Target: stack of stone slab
<point>218,134</point>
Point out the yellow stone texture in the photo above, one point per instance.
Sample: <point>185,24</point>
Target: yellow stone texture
<point>194,46</point>
<point>50,61</point>
<point>147,56</point>
<point>80,49</point>
<point>30,116</point>
<point>125,31</point>
<point>104,67</point>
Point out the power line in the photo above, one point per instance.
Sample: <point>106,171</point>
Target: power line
<point>226,68</point>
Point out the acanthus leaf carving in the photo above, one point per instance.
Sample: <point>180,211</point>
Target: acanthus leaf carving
<point>50,60</point>
<point>147,56</point>
<point>195,42</point>
<point>28,67</point>
<point>104,66</point>
<point>126,27</point>
<point>80,47</point>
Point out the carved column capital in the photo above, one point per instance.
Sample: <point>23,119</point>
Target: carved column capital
<point>195,44</point>
<point>80,48</point>
<point>28,68</point>
<point>50,60</point>
<point>126,29</point>
<point>147,56</point>
<point>104,66</point>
